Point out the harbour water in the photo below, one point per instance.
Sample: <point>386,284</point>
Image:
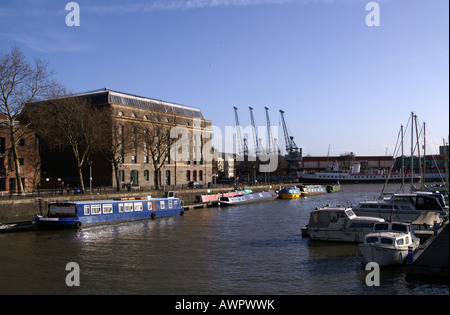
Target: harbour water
<point>241,250</point>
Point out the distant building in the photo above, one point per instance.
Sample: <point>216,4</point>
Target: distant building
<point>136,169</point>
<point>346,162</point>
<point>27,148</point>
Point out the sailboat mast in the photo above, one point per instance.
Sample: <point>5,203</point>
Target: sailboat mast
<point>412,150</point>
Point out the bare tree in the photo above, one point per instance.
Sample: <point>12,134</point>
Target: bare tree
<point>75,123</point>
<point>117,138</point>
<point>21,83</point>
<point>156,142</point>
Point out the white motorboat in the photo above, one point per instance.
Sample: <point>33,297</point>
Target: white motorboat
<point>403,206</point>
<point>338,224</point>
<point>389,243</point>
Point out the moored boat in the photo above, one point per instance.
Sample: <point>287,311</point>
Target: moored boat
<point>247,198</point>
<point>290,193</point>
<point>308,190</point>
<point>389,243</point>
<point>403,206</point>
<point>214,198</point>
<point>333,188</point>
<point>79,214</point>
<point>338,224</point>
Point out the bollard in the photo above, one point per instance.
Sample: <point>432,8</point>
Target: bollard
<point>410,254</point>
<point>435,228</point>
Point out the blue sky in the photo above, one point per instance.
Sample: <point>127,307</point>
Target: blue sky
<point>342,84</point>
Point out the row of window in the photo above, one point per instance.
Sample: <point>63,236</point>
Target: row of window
<point>125,207</point>
<point>134,176</point>
<point>156,118</point>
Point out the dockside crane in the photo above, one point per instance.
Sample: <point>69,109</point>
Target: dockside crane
<point>242,146</point>
<point>294,153</point>
<point>255,134</point>
<point>272,148</point>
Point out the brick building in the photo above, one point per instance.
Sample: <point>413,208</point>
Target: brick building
<point>29,161</point>
<point>136,168</point>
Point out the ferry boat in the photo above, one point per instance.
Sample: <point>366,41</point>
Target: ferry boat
<point>78,214</point>
<point>389,243</point>
<point>403,206</point>
<point>338,224</point>
<point>290,193</point>
<point>248,198</point>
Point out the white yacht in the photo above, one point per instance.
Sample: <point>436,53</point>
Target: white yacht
<point>338,224</point>
<point>389,243</point>
<point>403,206</point>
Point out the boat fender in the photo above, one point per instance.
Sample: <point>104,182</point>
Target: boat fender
<point>78,225</point>
<point>153,215</point>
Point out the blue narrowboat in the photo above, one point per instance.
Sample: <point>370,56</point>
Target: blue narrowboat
<point>80,214</point>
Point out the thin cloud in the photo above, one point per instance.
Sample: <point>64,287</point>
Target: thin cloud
<point>178,5</point>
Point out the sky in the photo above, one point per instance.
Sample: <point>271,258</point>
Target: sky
<point>343,85</point>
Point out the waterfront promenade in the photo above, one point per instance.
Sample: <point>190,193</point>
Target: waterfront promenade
<point>25,207</point>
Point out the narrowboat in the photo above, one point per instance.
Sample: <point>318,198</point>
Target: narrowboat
<point>78,214</point>
<point>247,198</point>
<point>290,193</point>
<point>308,190</point>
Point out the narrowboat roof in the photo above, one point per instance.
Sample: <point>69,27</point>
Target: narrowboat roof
<point>115,200</point>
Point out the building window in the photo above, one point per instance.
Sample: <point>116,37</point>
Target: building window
<point>146,175</point>
<point>134,177</point>
<point>2,145</point>
<point>194,175</point>
<point>188,176</point>
<point>200,175</point>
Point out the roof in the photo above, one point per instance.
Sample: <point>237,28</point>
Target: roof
<point>105,95</point>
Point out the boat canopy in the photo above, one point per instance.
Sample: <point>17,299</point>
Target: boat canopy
<point>321,219</point>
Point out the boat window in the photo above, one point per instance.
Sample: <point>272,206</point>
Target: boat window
<point>399,227</point>
<point>334,216</point>
<point>120,207</point>
<point>349,212</point>
<point>380,227</point>
<point>62,210</point>
<point>162,205</point>
<point>107,208</point>
<point>407,239</point>
<point>87,210</point>
<point>400,241</point>
<point>95,209</point>
<point>128,207</point>
<point>372,239</point>
<point>149,205</point>
<point>387,241</point>
<point>170,204</point>
<point>138,206</point>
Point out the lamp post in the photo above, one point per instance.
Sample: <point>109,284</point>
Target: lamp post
<point>90,177</point>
